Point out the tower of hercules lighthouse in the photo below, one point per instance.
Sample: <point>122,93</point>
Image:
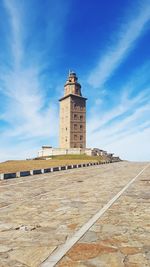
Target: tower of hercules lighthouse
<point>72,115</point>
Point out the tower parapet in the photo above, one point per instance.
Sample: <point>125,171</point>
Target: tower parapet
<point>72,86</point>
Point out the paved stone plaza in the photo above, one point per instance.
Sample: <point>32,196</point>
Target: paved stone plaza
<point>39,214</point>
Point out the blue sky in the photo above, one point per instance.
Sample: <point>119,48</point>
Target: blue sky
<point>107,43</point>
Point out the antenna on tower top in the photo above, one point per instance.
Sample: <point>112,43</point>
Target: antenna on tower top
<point>69,72</point>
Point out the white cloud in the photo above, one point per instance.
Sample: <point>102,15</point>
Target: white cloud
<point>132,143</point>
<point>134,147</point>
<point>125,40</point>
<point>15,15</point>
<point>18,151</point>
<point>31,116</point>
<point>125,127</point>
<point>124,104</point>
<point>113,128</point>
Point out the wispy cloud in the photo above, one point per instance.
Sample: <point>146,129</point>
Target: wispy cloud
<point>15,15</point>
<point>126,126</point>
<point>22,85</point>
<point>132,94</point>
<point>125,136</point>
<point>132,147</point>
<point>29,92</point>
<point>128,117</point>
<point>30,114</point>
<point>130,31</point>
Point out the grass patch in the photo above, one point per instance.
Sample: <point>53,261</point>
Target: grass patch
<point>78,157</point>
<point>25,165</point>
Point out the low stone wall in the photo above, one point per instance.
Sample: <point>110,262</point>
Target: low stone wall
<point>46,151</point>
<point>4,176</point>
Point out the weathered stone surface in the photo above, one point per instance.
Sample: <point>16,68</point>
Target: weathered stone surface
<point>130,250</point>
<point>31,256</point>
<point>106,260</point>
<point>4,249</point>
<point>46,210</point>
<point>89,237</point>
<point>70,263</point>
<point>82,251</point>
<point>124,227</point>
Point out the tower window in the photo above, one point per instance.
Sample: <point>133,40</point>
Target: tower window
<point>66,128</point>
<point>75,116</point>
<point>81,127</point>
<point>81,137</point>
<point>81,117</point>
<point>81,146</point>
<point>75,137</point>
<point>75,126</point>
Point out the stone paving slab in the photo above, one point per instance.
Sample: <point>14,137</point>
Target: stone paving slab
<point>121,238</point>
<point>40,213</point>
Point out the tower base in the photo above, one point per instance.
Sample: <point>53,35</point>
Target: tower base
<point>46,151</point>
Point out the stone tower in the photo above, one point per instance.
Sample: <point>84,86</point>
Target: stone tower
<point>72,115</point>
